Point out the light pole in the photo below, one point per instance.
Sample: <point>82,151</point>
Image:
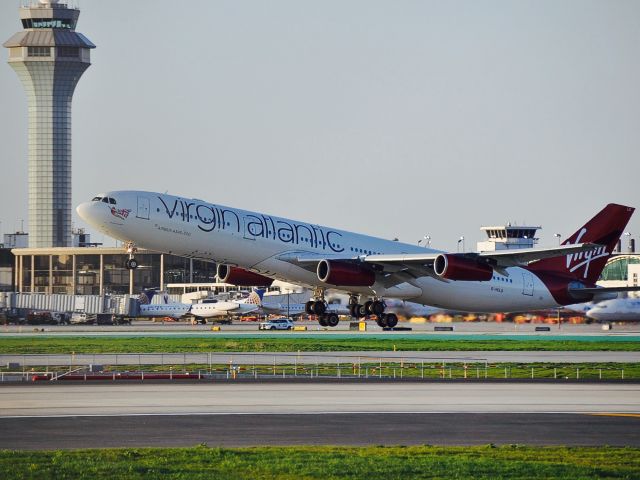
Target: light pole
<point>557,235</point>
<point>427,241</point>
<point>461,239</point>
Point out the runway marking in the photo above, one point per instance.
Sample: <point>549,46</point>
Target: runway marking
<point>633,415</point>
<point>368,412</point>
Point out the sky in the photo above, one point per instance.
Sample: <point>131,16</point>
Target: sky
<point>395,119</point>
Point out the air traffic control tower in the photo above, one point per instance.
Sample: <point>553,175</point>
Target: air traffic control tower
<point>49,57</point>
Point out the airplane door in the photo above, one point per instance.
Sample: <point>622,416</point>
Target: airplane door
<point>527,284</point>
<point>143,208</point>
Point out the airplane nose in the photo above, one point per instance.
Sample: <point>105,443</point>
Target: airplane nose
<point>83,210</point>
<point>90,213</point>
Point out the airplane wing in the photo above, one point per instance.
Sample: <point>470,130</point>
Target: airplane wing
<point>499,259</point>
<point>393,269</point>
<point>309,260</point>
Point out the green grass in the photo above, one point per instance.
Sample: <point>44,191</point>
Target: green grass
<point>387,463</point>
<point>139,344</point>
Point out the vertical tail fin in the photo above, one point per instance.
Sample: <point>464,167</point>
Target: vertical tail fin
<point>603,229</point>
<point>255,297</point>
<point>146,296</point>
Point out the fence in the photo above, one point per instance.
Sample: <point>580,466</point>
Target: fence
<point>213,365</point>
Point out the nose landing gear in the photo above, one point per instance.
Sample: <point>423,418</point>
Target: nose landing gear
<point>131,263</point>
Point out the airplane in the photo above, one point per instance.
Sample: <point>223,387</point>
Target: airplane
<point>245,243</point>
<point>625,309</point>
<point>294,309</point>
<point>200,311</point>
<point>412,309</point>
<point>225,308</point>
<point>165,309</point>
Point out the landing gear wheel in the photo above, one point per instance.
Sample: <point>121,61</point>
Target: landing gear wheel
<point>362,311</point>
<point>131,264</point>
<point>367,307</point>
<point>332,320</point>
<point>319,307</point>
<point>377,307</point>
<point>308,307</point>
<point>381,320</point>
<point>391,320</point>
<point>353,311</point>
<point>322,320</point>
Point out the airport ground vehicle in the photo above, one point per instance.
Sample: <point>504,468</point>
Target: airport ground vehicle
<point>112,319</point>
<point>48,318</point>
<point>16,316</point>
<point>276,324</point>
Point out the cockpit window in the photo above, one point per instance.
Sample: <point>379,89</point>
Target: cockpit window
<point>96,199</point>
<point>105,199</point>
<point>112,201</point>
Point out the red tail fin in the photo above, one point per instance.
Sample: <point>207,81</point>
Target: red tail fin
<point>603,229</point>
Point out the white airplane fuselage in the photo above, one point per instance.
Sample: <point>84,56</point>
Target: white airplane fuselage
<point>616,310</point>
<point>298,308</point>
<point>221,309</point>
<point>173,310</point>
<point>197,229</point>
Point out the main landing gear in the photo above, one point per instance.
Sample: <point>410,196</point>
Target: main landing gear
<point>374,308</point>
<point>371,308</point>
<point>318,306</point>
<point>131,263</point>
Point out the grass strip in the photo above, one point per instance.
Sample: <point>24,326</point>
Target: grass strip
<point>422,462</point>
<point>140,344</point>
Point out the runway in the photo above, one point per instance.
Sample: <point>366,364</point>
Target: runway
<point>629,331</point>
<point>348,413</point>
<point>304,397</point>
<point>328,429</point>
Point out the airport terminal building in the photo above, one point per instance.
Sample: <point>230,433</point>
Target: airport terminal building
<point>101,271</point>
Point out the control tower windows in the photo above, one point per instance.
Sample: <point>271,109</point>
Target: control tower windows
<point>68,52</point>
<point>47,23</point>
<point>39,51</point>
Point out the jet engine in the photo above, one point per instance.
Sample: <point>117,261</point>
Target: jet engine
<point>345,274</point>
<point>242,278</point>
<point>457,267</point>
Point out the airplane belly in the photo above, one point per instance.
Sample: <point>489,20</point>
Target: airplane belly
<point>485,297</point>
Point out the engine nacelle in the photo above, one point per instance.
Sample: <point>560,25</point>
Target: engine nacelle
<point>242,278</point>
<point>345,274</point>
<point>456,267</point>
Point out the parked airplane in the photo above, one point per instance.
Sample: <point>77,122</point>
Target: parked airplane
<point>225,308</point>
<point>201,311</point>
<point>165,309</point>
<point>368,268</point>
<point>625,309</point>
<point>295,309</point>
